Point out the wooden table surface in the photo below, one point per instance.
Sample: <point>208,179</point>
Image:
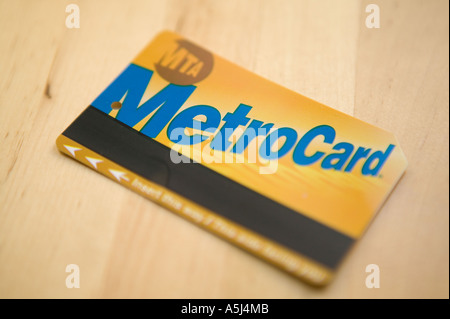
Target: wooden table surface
<point>55,212</point>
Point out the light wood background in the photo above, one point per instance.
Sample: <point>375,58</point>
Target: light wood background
<point>54,211</point>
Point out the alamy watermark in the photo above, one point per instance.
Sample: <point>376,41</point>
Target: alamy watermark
<point>73,17</point>
<point>373,19</point>
<point>260,146</point>
<point>373,279</point>
<point>73,279</point>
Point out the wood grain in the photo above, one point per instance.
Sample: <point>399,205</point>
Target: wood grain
<point>54,211</point>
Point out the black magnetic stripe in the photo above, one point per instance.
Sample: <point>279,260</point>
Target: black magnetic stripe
<point>150,159</point>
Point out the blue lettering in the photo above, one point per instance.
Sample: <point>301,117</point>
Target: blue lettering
<point>133,82</point>
<point>185,119</point>
<point>299,155</point>
<point>265,150</point>
<point>381,157</point>
<point>340,158</point>
<point>232,120</point>
<point>130,85</point>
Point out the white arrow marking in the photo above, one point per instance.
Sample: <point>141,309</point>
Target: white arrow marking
<point>118,174</point>
<point>94,161</point>
<point>72,149</point>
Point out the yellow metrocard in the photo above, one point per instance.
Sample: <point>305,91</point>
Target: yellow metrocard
<point>278,174</point>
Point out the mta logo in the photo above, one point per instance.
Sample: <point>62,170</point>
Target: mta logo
<point>184,63</point>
